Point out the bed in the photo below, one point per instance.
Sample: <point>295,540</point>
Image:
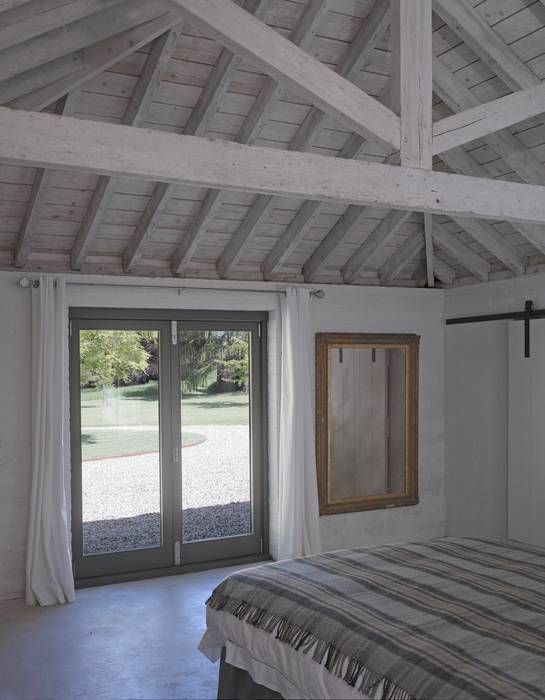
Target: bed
<point>447,618</point>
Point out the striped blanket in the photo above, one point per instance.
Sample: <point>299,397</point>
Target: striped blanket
<point>447,618</point>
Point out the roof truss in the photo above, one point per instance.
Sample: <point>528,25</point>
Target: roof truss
<point>50,55</point>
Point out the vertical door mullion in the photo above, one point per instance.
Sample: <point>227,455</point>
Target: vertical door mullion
<point>175,411</point>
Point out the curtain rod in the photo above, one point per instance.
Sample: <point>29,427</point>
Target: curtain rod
<point>25,282</point>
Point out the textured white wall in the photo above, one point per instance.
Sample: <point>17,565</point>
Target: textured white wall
<point>477,404</point>
<point>356,309</point>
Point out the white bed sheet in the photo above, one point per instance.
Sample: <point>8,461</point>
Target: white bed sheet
<point>272,663</point>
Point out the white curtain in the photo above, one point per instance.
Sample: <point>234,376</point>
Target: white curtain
<point>49,577</point>
<point>299,533</point>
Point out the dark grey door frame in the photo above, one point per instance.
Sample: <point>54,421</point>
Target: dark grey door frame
<point>137,559</point>
<point>165,560</point>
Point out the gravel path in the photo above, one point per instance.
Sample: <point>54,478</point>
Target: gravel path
<point>121,495</point>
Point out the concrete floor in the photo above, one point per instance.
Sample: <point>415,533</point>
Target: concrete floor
<point>119,642</point>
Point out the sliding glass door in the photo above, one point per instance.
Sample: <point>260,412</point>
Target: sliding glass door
<point>221,412</point>
<point>168,442</point>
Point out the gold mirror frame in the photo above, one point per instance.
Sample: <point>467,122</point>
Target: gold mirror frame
<point>324,343</point>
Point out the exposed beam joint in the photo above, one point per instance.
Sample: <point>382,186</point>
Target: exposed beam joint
<point>289,64</point>
<point>481,120</point>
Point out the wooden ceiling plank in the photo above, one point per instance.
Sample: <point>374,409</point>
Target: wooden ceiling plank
<point>473,29</point>
<point>464,163</point>
<point>444,273</point>
<point>384,232</point>
<point>428,237</point>
<point>411,45</point>
<point>66,143</point>
<point>348,222</point>
<point>65,40</point>
<point>37,197</point>
<point>456,96</point>
<point>134,115</point>
<point>355,58</point>
<point>47,16</point>
<point>199,120</point>
<point>92,60</point>
<point>484,119</point>
<point>492,240</point>
<point>287,63</point>
<point>357,54</point>
<point>303,34</point>
<point>297,229</point>
<point>403,255</point>
<point>462,253</point>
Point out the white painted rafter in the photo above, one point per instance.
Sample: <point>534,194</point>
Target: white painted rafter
<point>44,85</point>
<point>484,119</point>
<point>37,196</point>
<point>287,63</point>
<point>403,255</point>
<point>134,115</point>
<point>428,239</point>
<point>84,32</point>
<point>197,125</point>
<point>457,249</point>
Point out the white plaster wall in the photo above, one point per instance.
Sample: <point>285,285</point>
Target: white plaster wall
<point>476,404</point>
<point>358,309</point>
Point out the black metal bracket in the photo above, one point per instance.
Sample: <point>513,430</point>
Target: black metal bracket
<point>529,314</point>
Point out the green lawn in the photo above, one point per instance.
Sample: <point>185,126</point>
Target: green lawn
<point>96,444</point>
<point>138,406</point>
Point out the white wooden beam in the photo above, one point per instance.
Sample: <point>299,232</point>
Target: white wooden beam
<point>287,63</point>
<point>41,16</point>
<point>84,32</point>
<point>384,232</point>
<point>412,79</point>
<point>134,115</point>
<point>302,36</point>
<point>477,122</point>
<point>464,163</point>
<point>348,222</point>
<point>46,140</point>
<point>352,62</point>
<point>456,96</point>
<point>403,255</point>
<point>466,256</point>
<point>486,43</point>
<point>37,197</point>
<point>291,237</point>
<point>44,85</point>
<point>428,237</point>
<point>197,125</point>
<point>492,240</point>
<point>444,273</point>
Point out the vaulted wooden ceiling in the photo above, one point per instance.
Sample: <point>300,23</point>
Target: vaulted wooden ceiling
<point>148,63</point>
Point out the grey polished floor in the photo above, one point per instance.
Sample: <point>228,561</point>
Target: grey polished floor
<point>130,640</point>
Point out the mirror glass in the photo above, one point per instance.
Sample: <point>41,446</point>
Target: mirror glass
<point>367,419</point>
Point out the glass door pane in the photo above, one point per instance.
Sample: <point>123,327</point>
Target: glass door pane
<point>120,506</point>
<point>217,417</point>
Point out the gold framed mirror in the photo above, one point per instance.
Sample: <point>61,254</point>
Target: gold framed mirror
<point>366,421</point>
